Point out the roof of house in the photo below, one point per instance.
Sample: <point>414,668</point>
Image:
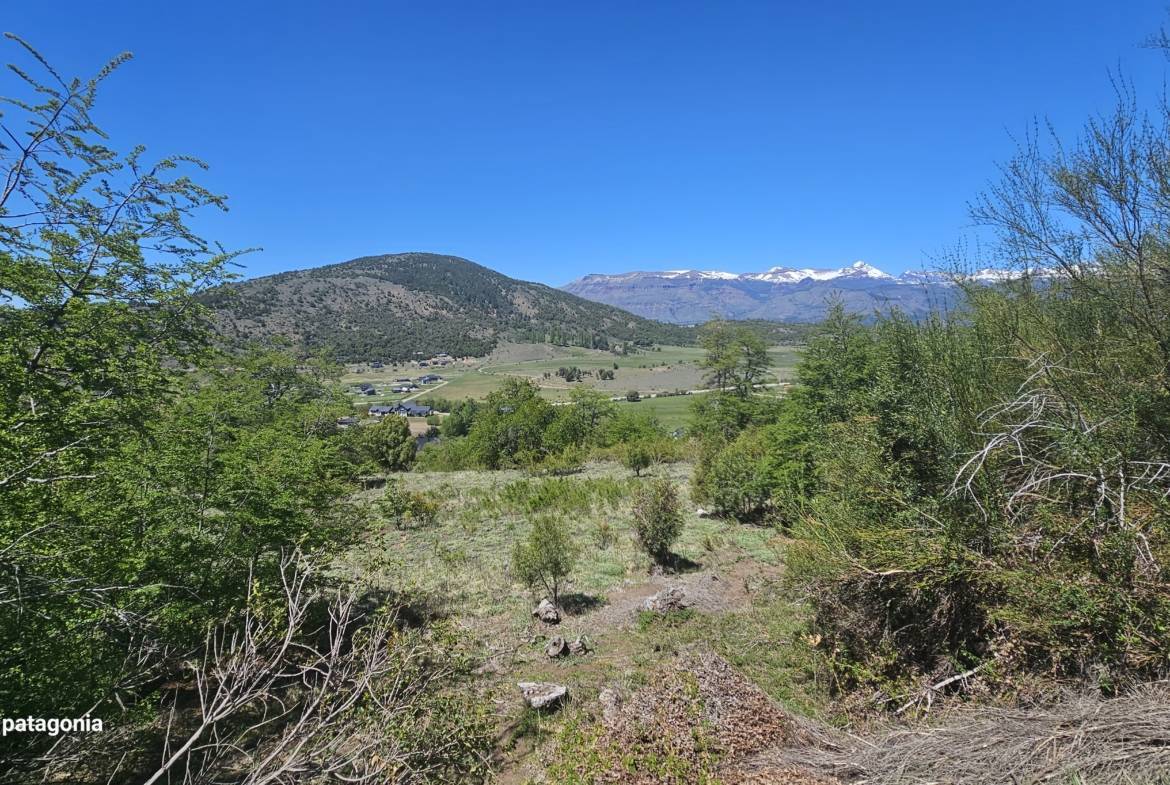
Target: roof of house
<point>381,409</point>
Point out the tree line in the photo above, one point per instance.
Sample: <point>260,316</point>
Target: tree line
<point>985,491</point>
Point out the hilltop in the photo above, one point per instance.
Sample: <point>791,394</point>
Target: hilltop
<point>396,305</point>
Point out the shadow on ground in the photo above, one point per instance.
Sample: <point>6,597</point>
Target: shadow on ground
<point>577,603</point>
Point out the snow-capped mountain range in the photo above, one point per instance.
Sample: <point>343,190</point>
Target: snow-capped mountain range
<point>857,270</point>
<point>777,294</point>
<point>786,274</point>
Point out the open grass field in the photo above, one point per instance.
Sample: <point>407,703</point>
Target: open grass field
<point>666,369</point>
<point>672,412</point>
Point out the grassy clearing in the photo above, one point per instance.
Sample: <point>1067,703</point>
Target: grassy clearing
<point>784,359</point>
<point>668,369</point>
<point>468,384</point>
<point>464,556</point>
<point>461,563</point>
<point>673,412</point>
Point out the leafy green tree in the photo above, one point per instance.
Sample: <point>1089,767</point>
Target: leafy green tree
<point>658,518</point>
<point>630,425</point>
<point>764,471</point>
<point>836,368</point>
<point>545,558</point>
<point>386,445</point>
<point>224,483</point>
<point>97,269</point>
<point>637,456</point>
<point>738,479</point>
<point>736,357</point>
<point>460,419</point>
<point>146,485</point>
<point>582,421</point>
<point>510,428</point>
<point>719,416</point>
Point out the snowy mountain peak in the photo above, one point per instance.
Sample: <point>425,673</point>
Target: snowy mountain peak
<point>704,274</point>
<point>860,268</point>
<point>796,275</point>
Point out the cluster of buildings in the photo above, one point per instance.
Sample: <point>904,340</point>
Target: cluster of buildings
<point>398,408</point>
<point>403,385</point>
<point>378,411</point>
<point>402,409</point>
<point>438,360</point>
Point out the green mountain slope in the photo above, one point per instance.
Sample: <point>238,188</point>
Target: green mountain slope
<point>394,306</point>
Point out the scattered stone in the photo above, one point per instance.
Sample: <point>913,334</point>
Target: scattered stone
<point>611,705</point>
<point>580,645</point>
<point>672,599</point>
<point>556,647</point>
<point>547,612</point>
<point>703,513</point>
<point>542,695</point>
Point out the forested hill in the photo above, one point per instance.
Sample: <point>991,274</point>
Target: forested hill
<point>392,306</point>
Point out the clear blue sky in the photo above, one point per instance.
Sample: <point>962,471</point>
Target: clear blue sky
<point>548,140</point>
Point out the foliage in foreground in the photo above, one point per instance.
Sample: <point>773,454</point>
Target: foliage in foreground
<point>151,491</point>
<point>306,678</point>
<point>383,446</point>
<point>987,492</point>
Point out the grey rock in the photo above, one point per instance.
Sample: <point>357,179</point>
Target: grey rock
<point>671,599</point>
<point>556,647</point>
<point>542,695</point>
<point>611,705</point>
<point>547,612</point>
<point>580,645</point>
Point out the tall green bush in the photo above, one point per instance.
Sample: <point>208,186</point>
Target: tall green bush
<point>658,518</point>
<point>545,558</point>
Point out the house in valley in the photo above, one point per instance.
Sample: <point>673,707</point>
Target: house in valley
<point>408,409</point>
